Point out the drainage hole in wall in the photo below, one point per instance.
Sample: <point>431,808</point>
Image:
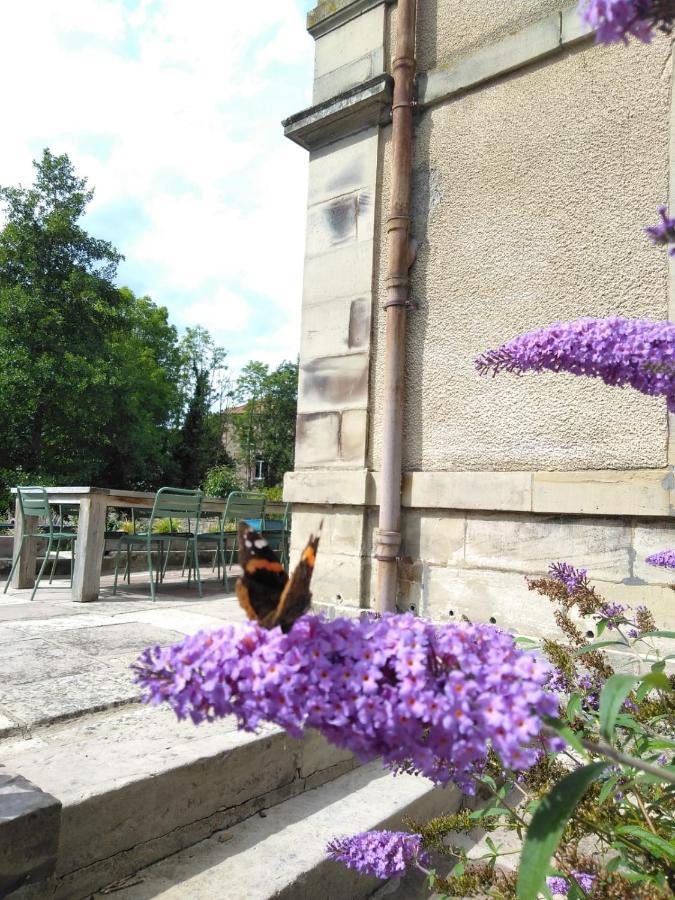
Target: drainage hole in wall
<point>338,596</point>
<point>412,607</point>
<point>493,621</point>
<point>451,612</point>
<point>589,634</point>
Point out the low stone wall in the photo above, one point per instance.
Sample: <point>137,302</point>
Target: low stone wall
<point>475,563</point>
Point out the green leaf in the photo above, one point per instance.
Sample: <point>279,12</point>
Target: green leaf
<point>654,679</point>
<point>598,646</point>
<point>573,707</point>
<point>547,826</point>
<point>612,696</point>
<point>651,842</point>
<point>607,788</point>
<point>664,634</point>
<point>602,624</point>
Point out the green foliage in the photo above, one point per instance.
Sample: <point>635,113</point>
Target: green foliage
<point>274,494</point>
<point>621,807</point>
<point>266,428</point>
<point>95,385</point>
<point>220,481</point>
<point>89,374</point>
<point>547,827</point>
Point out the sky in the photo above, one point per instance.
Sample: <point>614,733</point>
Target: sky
<point>172,110</point>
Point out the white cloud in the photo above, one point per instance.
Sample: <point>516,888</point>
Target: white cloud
<point>173,108</point>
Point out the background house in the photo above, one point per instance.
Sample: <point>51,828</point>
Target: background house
<point>538,157</point>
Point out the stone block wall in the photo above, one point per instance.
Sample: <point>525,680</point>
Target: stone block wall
<point>537,160</point>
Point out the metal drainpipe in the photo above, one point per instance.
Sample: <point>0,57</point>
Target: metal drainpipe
<point>401,255</point>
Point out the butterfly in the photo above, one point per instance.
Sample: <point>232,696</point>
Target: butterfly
<point>266,593</point>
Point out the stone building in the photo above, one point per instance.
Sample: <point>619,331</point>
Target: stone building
<point>538,158</point>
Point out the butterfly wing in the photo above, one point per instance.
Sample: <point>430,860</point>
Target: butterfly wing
<point>296,596</point>
<point>263,578</point>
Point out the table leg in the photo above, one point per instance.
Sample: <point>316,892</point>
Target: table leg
<point>89,549</point>
<point>24,574</point>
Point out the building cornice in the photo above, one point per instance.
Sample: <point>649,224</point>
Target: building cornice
<point>331,14</point>
<point>363,106</point>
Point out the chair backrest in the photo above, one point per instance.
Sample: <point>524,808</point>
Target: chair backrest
<point>176,503</point>
<point>34,502</point>
<point>247,506</point>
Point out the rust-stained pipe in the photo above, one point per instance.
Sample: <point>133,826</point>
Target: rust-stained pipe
<point>388,533</point>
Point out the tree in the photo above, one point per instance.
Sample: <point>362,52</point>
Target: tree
<point>278,418</point>
<point>204,385</point>
<point>57,303</point>
<point>145,377</point>
<point>266,428</point>
<point>90,375</point>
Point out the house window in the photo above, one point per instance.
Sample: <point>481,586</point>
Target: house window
<point>259,470</point>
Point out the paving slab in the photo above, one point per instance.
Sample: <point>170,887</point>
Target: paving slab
<point>15,612</point>
<point>36,659</point>
<point>111,640</point>
<point>54,699</point>
<point>60,660</point>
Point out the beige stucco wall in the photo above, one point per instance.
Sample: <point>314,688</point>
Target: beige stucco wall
<point>530,196</point>
<point>538,159</point>
<point>449,29</point>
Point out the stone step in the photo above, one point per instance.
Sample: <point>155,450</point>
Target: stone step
<point>282,854</point>
<point>135,785</point>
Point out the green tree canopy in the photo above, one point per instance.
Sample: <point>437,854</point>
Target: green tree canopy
<point>266,428</point>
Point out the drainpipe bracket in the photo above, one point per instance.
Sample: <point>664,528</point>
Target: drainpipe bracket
<point>388,545</point>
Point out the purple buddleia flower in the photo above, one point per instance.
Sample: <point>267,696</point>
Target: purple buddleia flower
<point>569,576</point>
<point>664,232</point>
<point>615,21</point>
<point>634,352</point>
<point>383,854</point>
<point>664,559</point>
<point>434,698</point>
<point>558,885</point>
<point>611,612</point>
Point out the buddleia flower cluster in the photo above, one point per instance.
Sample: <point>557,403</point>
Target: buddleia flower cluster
<point>558,885</point>
<point>664,559</point>
<point>615,21</point>
<point>383,854</point>
<point>622,352</point>
<point>432,699</point>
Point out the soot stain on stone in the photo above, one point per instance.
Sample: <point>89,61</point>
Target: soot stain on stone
<point>341,217</point>
<point>359,324</point>
<point>336,379</point>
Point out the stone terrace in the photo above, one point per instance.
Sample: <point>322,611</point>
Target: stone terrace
<point>98,791</point>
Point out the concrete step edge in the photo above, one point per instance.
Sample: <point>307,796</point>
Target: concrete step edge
<point>137,786</point>
<point>282,855</point>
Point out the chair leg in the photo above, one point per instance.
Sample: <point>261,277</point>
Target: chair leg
<point>152,582</point>
<point>72,561</point>
<point>117,566</point>
<point>42,568</point>
<point>185,559</point>
<point>195,556</point>
<point>166,559</point>
<point>127,571</point>
<point>56,559</point>
<point>15,563</point>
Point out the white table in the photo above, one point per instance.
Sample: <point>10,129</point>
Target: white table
<point>90,541</point>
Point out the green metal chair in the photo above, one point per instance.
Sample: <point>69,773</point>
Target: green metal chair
<point>277,533</point>
<point>240,505</point>
<point>34,503</point>
<point>170,503</point>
